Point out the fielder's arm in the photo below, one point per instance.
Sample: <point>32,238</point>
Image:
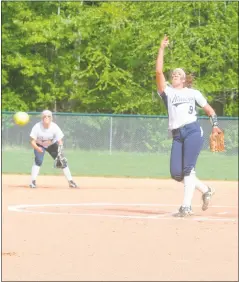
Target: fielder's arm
<point>60,160</point>
<point>60,142</point>
<point>59,135</point>
<point>60,147</point>
<point>34,145</point>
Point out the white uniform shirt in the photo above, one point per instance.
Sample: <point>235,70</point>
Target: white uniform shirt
<point>46,136</point>
<point>182,105</point>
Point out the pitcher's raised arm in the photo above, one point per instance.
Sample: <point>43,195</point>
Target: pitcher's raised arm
<point>160,79</point>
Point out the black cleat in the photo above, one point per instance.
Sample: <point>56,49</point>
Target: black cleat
<point>33,184</point>
<point>206,198</point>
<point>184,211</point>
<point>72,184</point>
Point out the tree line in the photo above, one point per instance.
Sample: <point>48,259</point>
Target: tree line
<point>99,57</point>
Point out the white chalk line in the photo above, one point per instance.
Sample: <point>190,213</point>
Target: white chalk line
<point>24,208</point>
<point>115,204</point>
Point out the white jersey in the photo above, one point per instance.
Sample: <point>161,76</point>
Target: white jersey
<point>181,105</point>
<point>46,136</point>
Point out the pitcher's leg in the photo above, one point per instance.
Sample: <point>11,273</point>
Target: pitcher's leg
<point>200,186</point>
<point>192,147</point>
<point>207,193</point>
<point>176,160</point>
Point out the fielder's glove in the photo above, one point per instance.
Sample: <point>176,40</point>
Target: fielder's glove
<point>217,142</point>
<point>60,160</point>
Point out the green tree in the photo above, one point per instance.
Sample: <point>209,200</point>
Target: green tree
<point>100,57</point>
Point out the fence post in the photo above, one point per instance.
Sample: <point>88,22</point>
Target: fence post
<point>111,134</point>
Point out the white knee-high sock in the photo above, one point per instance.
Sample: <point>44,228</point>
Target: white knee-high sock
<point>35,171</point>
<point>203,188</point>
<point>199,185</point>
<point>189,187</point>
<point>67,173</point>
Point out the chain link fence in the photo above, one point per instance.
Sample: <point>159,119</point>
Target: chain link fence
<point>143,134</point>
<point>112,134</point>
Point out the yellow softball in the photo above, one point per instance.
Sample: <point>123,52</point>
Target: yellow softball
<point>21,118</point>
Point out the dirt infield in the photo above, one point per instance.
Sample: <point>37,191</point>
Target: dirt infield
<point>116,229</point>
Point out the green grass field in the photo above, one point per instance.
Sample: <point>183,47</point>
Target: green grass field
<point>210,166</point>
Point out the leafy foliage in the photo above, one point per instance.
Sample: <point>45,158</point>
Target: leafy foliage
<point>100,57</point>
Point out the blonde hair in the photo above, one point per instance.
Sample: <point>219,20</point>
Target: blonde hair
<point>189,80</point>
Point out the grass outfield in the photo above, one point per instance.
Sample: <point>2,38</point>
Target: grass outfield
<point>120,164</point>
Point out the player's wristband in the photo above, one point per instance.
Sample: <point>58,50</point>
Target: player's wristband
<point>213,120</point>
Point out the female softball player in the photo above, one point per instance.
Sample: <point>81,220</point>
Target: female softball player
<point>47,136</point>
<point>186,131</point>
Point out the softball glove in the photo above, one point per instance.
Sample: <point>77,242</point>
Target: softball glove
<point>217,142</point>
<point>60,160</point>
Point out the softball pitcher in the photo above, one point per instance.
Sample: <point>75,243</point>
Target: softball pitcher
<point>186,131</point>
<point>47,136</point>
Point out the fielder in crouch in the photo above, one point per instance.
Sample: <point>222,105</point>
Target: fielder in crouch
<point>186,131</point>
<point>47,136</point>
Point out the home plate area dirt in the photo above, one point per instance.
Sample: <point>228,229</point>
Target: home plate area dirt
<point>116,229</point>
